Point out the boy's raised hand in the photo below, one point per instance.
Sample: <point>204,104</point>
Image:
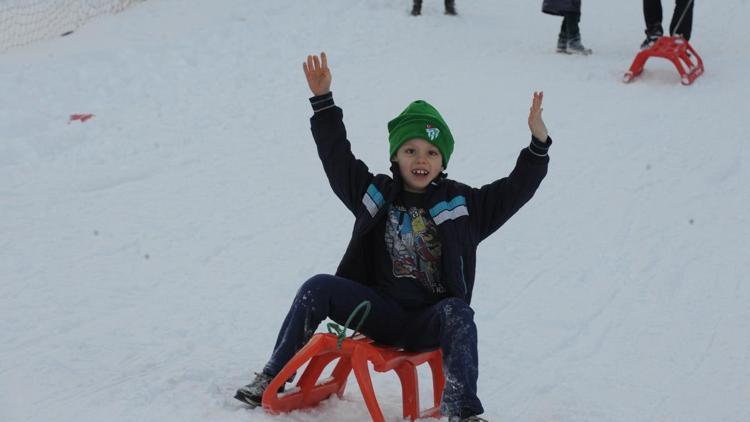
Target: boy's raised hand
<point>317,73</point>
<point>538,129</point>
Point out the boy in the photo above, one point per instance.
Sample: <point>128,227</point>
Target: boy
<point>413,250</point>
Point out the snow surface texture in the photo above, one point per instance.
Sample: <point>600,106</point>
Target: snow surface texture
<point>150,253</point>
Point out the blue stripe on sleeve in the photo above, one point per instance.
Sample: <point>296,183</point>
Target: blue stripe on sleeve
<point>447,206</point>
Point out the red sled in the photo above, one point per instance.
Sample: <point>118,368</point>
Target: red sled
<point>354,355</point>
<point>675,49</point>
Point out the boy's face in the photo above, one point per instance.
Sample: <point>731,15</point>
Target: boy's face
<point>419,162</point>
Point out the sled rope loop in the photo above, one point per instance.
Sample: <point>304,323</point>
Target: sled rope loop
<point>340,331</point>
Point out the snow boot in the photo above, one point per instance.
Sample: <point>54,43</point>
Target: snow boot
<point>574,46</point>
<point>653,33</point>
<point>252,394</point>
<point>649,41</point>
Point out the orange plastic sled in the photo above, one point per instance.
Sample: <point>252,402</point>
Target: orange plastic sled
<point>354,354</point>
<point>675,49</point>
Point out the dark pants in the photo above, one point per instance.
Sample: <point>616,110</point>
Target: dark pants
<point>449,324</point>
<point>569,30</point>
<point>448,3</point>
<point>652,14</point>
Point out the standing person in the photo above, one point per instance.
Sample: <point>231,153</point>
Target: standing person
<point>569,39</point>
<point>412,254</point>
<point>681,24</point>
<point>450,8</point>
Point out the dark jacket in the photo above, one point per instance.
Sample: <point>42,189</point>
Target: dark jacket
<point>464,216</point>
<point>561,7</point>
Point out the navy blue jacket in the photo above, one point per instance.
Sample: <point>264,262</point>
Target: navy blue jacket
<point>561,7</point>
<point>464,216</point>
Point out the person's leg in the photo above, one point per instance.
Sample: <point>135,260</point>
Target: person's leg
<point>319,297</point>
<point>652,15</point>
<point>416,9</point>
<point>573,33</point>
<point>686,26</point>
<point>450,7</point>
<point>449,324</point>
<point>562,38</point>
<point>334,297</point>
<point>572,30</point>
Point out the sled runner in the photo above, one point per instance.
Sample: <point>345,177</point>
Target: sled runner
<point>354,354</point>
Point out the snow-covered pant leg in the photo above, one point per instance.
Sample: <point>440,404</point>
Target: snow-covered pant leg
<point>325,296</point>
<point>458,340</point>
<point>450,325</point>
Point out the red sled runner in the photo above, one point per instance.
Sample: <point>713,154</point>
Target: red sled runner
<point>675,49</point>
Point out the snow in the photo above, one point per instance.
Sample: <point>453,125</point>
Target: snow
<point>150,253</point>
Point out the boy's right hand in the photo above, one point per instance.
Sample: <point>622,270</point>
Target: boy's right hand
<point>317,73</point>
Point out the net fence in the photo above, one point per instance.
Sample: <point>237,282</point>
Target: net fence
<point>25,21</point>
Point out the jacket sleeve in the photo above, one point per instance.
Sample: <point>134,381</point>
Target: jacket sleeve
<point>496,202</point>
<point>348,176</point>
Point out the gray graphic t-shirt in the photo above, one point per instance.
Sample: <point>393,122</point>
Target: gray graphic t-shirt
<point>412,242</point>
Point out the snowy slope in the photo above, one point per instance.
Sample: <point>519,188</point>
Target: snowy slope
<point>150,253</point>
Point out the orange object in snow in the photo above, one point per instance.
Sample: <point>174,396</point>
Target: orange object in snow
<point>354,355</point>
<point>675,49</point>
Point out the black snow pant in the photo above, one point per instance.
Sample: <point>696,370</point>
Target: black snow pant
<point>448,3</point>
<point>570,30</point>
<point>652,13</point>
<point>448,324</point>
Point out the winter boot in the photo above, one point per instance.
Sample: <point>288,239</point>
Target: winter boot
<point>252,394</point>
<point>450,7</point>
<point>416,10</point>
<point>653,33</point>
<point>575,47</point>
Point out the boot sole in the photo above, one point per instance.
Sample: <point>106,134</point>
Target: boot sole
<point>247,400</point>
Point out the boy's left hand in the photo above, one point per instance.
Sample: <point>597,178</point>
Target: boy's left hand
<point>538,129</point>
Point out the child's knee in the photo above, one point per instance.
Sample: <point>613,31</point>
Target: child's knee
<point>319,284</point>
<point>452,308</point>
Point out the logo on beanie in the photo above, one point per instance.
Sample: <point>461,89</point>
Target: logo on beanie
<point>432,132</point>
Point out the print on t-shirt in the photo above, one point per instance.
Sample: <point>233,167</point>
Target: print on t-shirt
<point>412,242</point>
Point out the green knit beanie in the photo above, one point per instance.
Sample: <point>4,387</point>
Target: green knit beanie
<point>421,120</point>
